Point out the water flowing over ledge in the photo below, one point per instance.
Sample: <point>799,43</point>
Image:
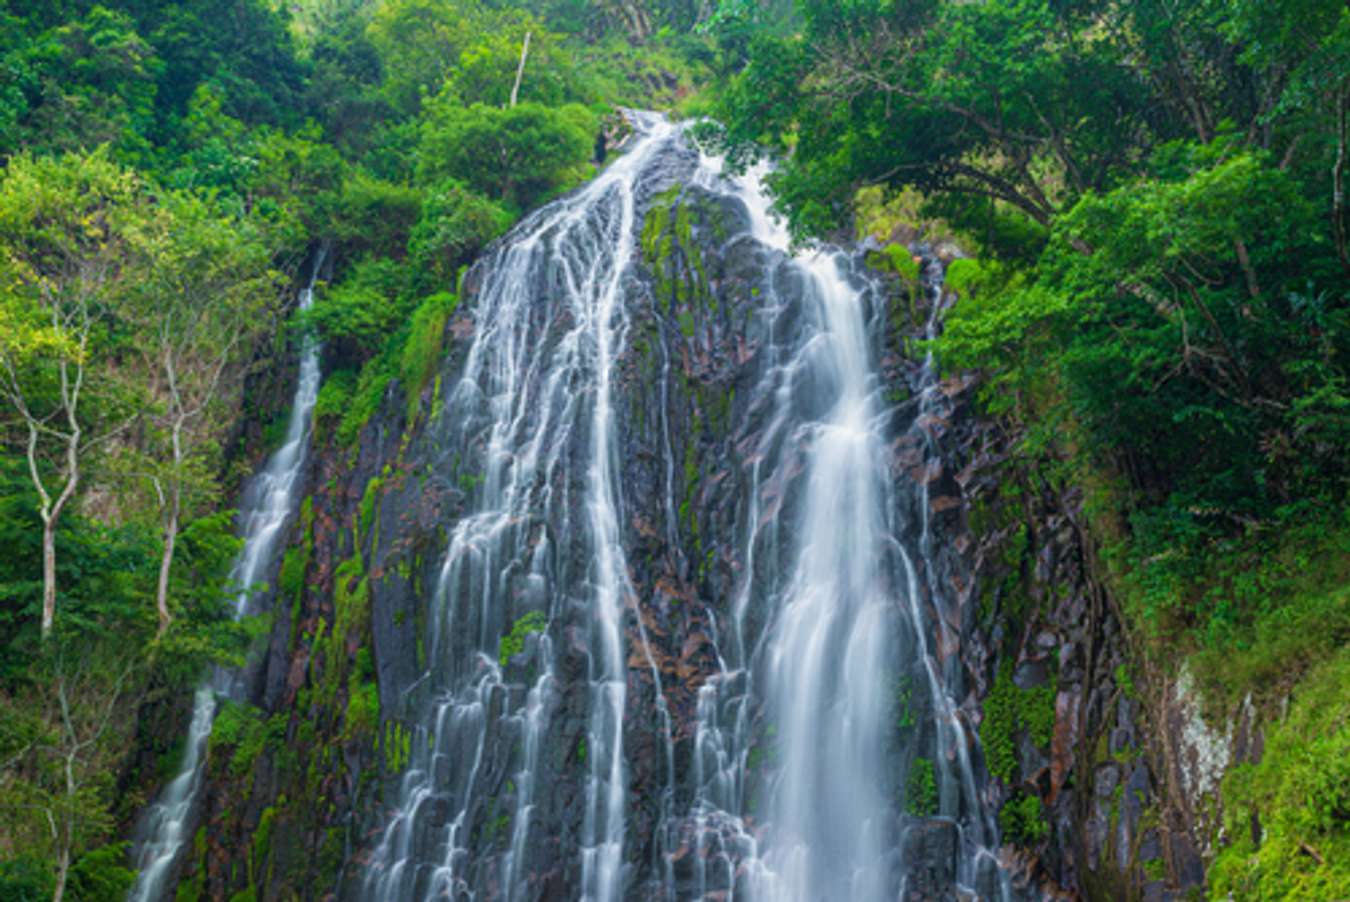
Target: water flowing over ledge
<point>677,492</point>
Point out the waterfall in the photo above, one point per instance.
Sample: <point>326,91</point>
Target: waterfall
<point>835,633</point>
<point>166,823</point>
<point>785,779</point>
<point>270,500</point>
<point>533,416</point>
<point>846,624</point>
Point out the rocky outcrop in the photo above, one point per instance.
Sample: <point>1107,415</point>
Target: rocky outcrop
<point>1105,772</point>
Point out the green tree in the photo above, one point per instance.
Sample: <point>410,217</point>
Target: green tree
<point>244,47</point>
<point>996,100</point>
<point>454,226</point>
<point>1186,360</point>
<point>61,250</point>
<point>345,90</point>
<point>419,43</point>
<point>83,83</point>
<point>1025,102</point>
<point>198,299</point>
<point>61,738</point>
<point>516,156</point>
<point>487,66</point>
<point>374,216</point>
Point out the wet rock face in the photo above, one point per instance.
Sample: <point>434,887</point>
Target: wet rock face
<point>929,859</point>
<point>684,396</point>
<point>1100,779</point>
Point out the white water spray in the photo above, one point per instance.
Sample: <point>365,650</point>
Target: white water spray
<point>529,403</point>
<point>845,620</point>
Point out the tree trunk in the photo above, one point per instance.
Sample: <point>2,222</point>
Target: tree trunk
<point>165,564</point>
<point>48,574</point>
<point>62,871</point>
<point>49,520</point>
<point>520,70</point>
<point>172,513</point>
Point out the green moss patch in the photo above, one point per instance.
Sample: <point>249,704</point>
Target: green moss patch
<point>513,643</point>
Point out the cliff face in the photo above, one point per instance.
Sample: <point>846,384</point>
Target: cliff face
<point>437,709</point>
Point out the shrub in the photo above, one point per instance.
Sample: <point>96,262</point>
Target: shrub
<point>334,398</point>
<point>375,216</point>
<point>921,792</point>
<point>1022,820</point>
<point>513,643</point>
<point>1299,796</point>
<point>422,351</point>
<point>455,224</point>
<point>517,156</point>
<point>355,317</point>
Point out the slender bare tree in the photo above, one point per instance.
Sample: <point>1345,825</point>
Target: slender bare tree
<point>520,70</point>
<point>202,284</point>
<point>60,257</point>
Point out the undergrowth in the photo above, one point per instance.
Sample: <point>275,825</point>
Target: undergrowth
<point>1255,611</point>
<point>1296,801</point>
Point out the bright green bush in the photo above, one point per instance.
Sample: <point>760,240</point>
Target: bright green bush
<point>422,350</point>
<point>1259,609</point>
<point>1299,795</point>
<point>963,275</point>
<point>355,317</point>
<point>363,697</point>
<point>455,224</point>
<point>1022,820</point>
<point>1010,711</point>
<point>517,156</point>
<point>334,398</point>
<point>365,400</point>
<point>101,875</point>
<point>895,258</point>
<point>921,791</point>
<point>374,216</point>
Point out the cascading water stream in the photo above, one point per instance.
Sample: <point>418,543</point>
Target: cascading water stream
<point>954,736</point>
<point>834,635</point>
<point>270,501</point>
<point>536,416</point>
<point>818,666</point>
<point>846,621</point>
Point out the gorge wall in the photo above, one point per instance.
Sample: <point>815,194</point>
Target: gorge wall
<point>533,635</point>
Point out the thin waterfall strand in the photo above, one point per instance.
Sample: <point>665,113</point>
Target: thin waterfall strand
<point>167,823</point>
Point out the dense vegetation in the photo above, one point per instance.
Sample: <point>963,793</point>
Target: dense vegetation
<point>1150,196</point>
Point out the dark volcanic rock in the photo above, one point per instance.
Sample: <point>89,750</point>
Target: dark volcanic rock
<point>930,859</point>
